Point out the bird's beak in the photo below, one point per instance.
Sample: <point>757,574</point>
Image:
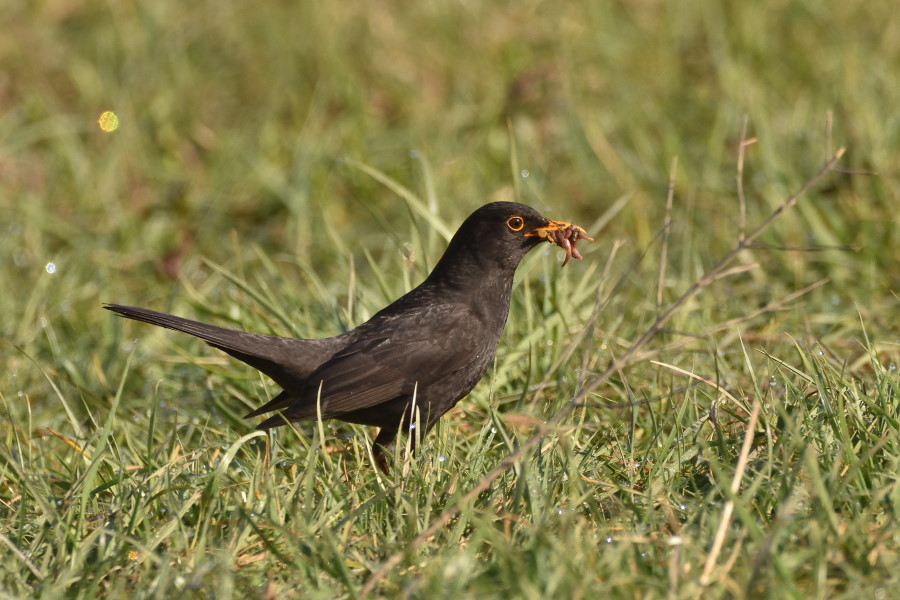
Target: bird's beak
<point>551,226</point>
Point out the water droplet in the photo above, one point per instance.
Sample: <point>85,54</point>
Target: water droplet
<point>682,507</point>
<point>524,174</point>
<point>609,540</point>
<point>50,268</point>
<point>892,367</point>
<point>442,458</point>
<point>773,381</point>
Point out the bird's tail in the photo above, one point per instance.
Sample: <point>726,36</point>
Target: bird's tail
<point>288,361</point>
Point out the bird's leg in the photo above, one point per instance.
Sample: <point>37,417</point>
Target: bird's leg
<point>382,442</point>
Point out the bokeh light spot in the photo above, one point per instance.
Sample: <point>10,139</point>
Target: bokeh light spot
<point>108,121</point>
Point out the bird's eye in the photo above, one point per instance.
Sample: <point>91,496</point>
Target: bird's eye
<point>515,223</point>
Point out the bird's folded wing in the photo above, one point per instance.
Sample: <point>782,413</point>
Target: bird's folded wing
<point>377,369</point>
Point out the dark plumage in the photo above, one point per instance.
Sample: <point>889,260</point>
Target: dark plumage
<point>431,345</point>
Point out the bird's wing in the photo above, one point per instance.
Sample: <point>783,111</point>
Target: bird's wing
<point>415,349</point>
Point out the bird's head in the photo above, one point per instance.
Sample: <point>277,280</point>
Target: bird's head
<point>497,236</point>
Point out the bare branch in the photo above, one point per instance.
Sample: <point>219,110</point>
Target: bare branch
<point>667,222</point>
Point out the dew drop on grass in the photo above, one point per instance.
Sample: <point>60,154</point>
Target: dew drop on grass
<point>50,268</point>
<point>524,174</point>
<point>442,458</point>
<point>609,540</point>
<point>773,381</point>
<point>892,367</point>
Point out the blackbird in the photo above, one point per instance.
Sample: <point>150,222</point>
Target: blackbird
<point>413,360</point>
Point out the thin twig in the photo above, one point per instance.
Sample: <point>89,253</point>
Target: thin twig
<point>693,375</point>
<point>725,522</point>
<point>667,222</point>
<point>742,202</point>
<point>627,358</point>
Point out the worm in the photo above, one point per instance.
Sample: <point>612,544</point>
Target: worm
<point>566,238</point>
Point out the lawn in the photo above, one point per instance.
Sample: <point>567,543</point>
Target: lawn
<point>705,406</point>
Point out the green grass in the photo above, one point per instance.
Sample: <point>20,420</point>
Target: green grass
<point>292,169</point>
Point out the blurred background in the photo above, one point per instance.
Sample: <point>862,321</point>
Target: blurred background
<point>239,119</point>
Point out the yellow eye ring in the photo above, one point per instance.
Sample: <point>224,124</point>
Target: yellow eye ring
<point>515,223</point>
